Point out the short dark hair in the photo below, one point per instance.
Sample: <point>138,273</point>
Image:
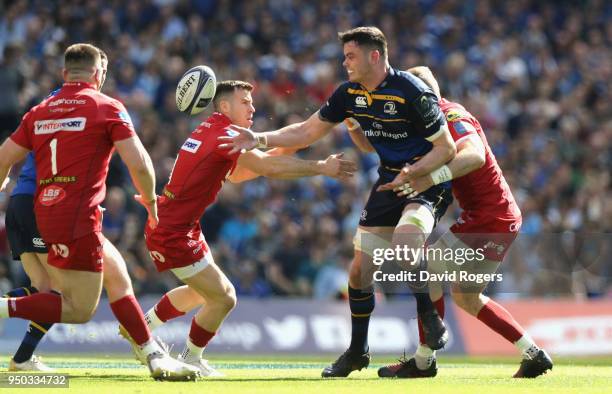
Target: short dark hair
<point>369,36</point>
<point>81,56</point>
<point>226,87</point>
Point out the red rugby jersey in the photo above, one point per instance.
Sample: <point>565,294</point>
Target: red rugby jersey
<point>199,171</point>
<point>72,135</point>
<point>484,189</point>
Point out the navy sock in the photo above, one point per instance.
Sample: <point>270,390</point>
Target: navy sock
<point>21,292</point>
<point>35,333</point>
<point>362,304</point>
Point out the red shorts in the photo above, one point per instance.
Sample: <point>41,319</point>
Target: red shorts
<point>81,254</point>
<point>171,249</point>
<point>482,230</point>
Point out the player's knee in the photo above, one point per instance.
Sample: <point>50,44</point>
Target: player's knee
<point>469,302</point>
<point>228,300</point>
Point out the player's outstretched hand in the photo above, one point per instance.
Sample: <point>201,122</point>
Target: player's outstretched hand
<point>334,166</point>
<point>151,207</point>
<point>245,139</point>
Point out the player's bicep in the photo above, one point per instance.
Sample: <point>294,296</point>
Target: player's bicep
<point>316,126</point>
<point>11,153</point>
<point>253,161</point>
<point>472,144</point>
<point>245,166</point>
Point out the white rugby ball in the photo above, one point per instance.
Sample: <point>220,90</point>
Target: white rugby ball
<point>196,89</point>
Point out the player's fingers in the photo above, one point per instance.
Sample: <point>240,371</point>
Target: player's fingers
<point>413,194</point>
<point>239,129</point>
<point>225,138</point>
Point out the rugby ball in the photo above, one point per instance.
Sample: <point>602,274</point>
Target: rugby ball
<point>196,89</point>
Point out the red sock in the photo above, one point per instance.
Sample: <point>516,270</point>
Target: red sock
<point>165,310</point>
<point>439,304</point>
<point>128,313</point>
<point>39,307</point>
<point>199,336</point>
<point>501,321</point>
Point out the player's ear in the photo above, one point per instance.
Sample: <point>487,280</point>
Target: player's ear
<point>375,56</point>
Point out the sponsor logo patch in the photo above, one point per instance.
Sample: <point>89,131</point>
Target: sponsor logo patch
<point>361,101</point>
<point>60,250</point>
<point>51,126</point>
<point>51,195</point>
<point>463,127</point>
<point>64,101</point>
<point>38,242</point>
<point>453,115</point>
<point>389,108</point>
<point>124,116</point>
<point>191,145</point>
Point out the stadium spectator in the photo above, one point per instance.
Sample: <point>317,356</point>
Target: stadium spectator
<point>546,112</point>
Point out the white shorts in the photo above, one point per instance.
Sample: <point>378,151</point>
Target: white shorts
<point>190,270</point>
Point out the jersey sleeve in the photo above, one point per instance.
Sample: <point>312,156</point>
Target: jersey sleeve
<point>23,135</point>
<point>425,112</point>
<point>118,122</point>
<point>334,110</point>
<point>460,126</point>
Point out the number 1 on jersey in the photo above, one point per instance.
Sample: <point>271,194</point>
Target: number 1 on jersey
<point>53,146</point>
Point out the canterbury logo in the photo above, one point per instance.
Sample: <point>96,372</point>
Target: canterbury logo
<point>361,101</point>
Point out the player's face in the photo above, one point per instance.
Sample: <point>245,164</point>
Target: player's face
<point>356,62</point>
<point>241,108</point>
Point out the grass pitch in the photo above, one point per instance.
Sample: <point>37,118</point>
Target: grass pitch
<point>295,374</point>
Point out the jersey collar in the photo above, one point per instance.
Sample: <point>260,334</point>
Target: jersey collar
<point>78,85</point>
<point>384,82</point>
<point>220,119</point>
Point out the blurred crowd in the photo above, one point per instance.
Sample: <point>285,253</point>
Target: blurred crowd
<point>537,75</point>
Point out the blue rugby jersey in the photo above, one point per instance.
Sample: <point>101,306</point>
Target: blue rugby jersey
<point>398,117</point>
<point>26,182</point>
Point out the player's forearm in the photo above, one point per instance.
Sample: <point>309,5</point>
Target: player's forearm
<point>465,161</point>
<point>435,158</point>
<point>143,177</point>
<point>360,141</point>
<point>292,135</point>
<point>287,167</point>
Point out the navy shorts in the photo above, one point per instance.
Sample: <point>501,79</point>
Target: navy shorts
<point>384,209</point>
<point>21,226</point>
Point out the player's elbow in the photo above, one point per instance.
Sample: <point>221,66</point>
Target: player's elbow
<point>479,161</point>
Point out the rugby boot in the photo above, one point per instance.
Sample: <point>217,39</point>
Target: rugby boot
<point>534,367</point>
<point>164,367</point>
<point>202,365</point>
<point>407,369</point>
<point>348,362</point>
<point>436,335</point>
<point>33,364</point>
